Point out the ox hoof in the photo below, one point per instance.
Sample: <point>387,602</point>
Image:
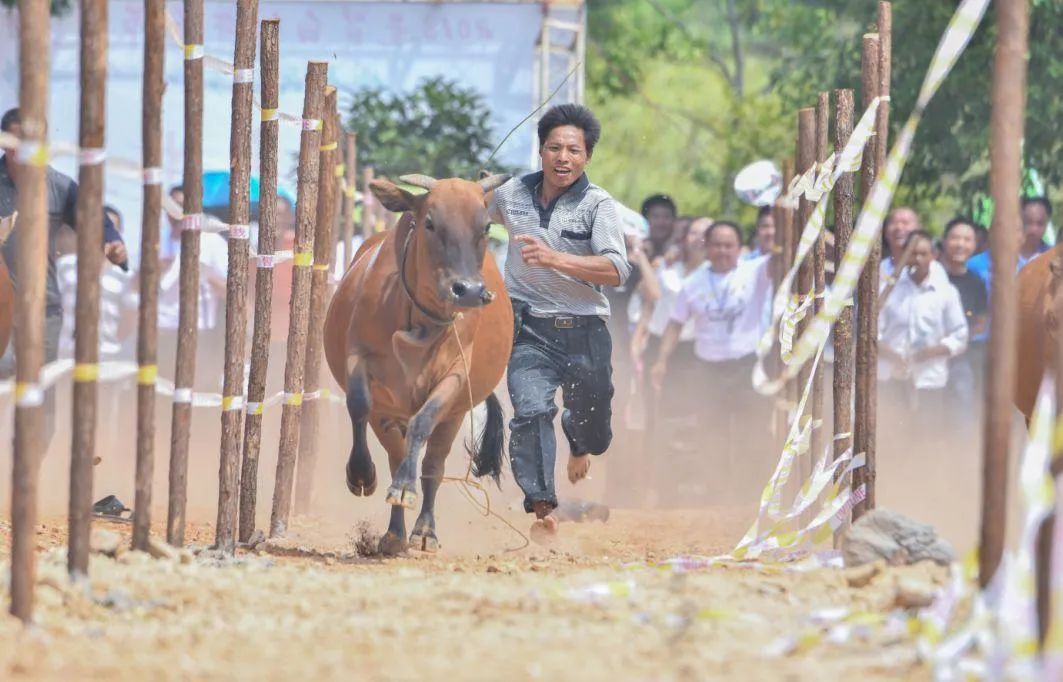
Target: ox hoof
<point>402,497</point>
<point>424,541</point>
<point>361,484</point>
<point>392,544</point>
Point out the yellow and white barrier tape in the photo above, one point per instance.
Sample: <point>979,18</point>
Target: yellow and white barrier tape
<point>32,394</point>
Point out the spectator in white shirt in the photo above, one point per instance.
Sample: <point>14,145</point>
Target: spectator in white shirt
<point>921,325</point>
<point>725,301</point>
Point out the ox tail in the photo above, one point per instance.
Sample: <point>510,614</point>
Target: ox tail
<point>488,452</point>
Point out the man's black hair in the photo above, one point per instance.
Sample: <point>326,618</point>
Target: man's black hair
<point>919,234</point>
<point>724,223</point>
<point>11,117</point>
<point>1029,201</point>
<point>958,220</point>
<point>176,188</point>
<point>571,115</point>
<point>765,210</point>
<point>658,200</point>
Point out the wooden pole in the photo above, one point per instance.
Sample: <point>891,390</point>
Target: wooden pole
<point>148,328</point>
<point>1005,154</point>
<point>269,61</point>
<point>236,283</point>
<point>188,305</point>
<point>866,383</point>
<point>806,156</point>
<point>785,225</point>
<point>368,204</point>
<point>885,71</point>
<point>819,276</point>
<point>351,175</point>
<point>326,207</point>
<point>93,16</point>
<point>306,204</point>
<point>843,326</point>
<point>31,250</point>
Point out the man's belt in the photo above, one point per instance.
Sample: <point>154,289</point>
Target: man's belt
<point>564,321</point>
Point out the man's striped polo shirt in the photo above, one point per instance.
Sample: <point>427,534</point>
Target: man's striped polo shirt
<point>583,222</point>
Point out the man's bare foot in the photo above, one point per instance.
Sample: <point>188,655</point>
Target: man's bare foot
<point>544,530</point>
<point>578,467</point>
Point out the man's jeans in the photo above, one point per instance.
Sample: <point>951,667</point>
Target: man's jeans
<point>53,325</point>
<point>545,357</point>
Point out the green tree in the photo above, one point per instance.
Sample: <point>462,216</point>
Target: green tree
<point>439,129</point>
<point>949,162</point>
<point>683,89</point>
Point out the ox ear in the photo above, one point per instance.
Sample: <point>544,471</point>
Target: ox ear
<point>394,199</point>
<point>493,182</point>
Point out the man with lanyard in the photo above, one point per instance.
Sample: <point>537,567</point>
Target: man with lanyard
<point>62,210</point>
<point>566,244</point>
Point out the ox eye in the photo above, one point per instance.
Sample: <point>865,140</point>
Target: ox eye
<point>487,228</point>
<point>428,223</point>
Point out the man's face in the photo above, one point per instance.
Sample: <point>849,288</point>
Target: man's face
<point>766,233</point>
<point>723,247</point>
<point>1034,223</point>
<point>922,255</point>
<point>902,222</point>
<point>960,243</point>
<point>662,222</point>
<point>564,156</point>
<point>695,241</point>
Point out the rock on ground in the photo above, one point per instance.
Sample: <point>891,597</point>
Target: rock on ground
<point>885,534</point>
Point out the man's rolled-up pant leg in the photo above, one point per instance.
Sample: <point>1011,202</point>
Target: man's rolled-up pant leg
<point>533,380</point>
<point>587,390</point>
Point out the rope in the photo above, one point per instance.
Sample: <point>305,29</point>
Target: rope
<point>467,481</point>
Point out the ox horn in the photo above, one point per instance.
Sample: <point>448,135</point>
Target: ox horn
<point>492,182</point>
<point>422,181</point>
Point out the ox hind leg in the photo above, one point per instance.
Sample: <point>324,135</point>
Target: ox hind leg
<point>423,536</point>
<point>361,474</point>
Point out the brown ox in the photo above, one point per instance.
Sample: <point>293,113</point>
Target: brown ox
<point>1038,284</point>
<point>391,339</point>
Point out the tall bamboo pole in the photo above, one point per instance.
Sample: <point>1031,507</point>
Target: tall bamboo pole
<point>819,274</point>
<point>269,65</point>
<point>843,326</point>
<point>1005,155</point>
<point>306,205</point>
<point>188,306</point>
<point>31,250</point>
<point>90,261</point>
<point>785,226</point>
<point>866,384</point>
<point>236,281</point>
<point>148,328</point>
<point>311,412</point>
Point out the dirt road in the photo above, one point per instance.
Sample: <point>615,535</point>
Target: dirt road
<point>588,609</point>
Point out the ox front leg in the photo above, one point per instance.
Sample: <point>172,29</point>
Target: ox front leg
<point>403,490</point>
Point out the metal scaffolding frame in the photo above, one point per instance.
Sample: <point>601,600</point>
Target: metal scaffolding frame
<point>561,50</point>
